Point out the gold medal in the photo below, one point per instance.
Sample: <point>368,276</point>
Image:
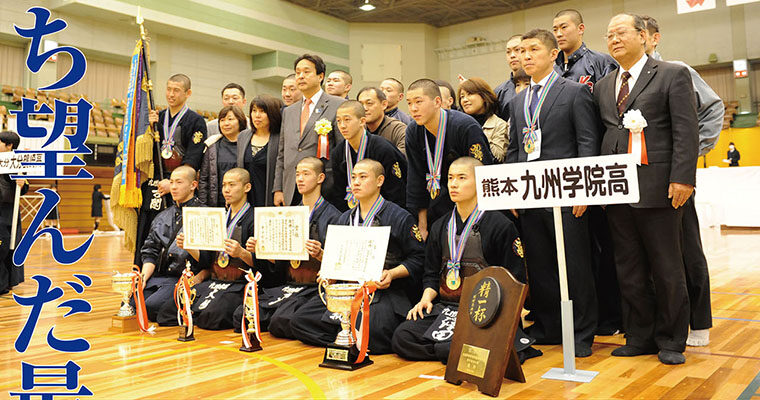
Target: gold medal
<point>434,193</point>
<point>223,260</point>
<point>452,279</point>
<point>295,263</point>
<point>529,146</point>
<point>352,202</point>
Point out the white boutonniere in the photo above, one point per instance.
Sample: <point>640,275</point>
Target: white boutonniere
<point>634,121</point>
<point>323,126</point>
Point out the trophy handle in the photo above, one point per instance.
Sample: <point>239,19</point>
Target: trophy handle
<point>320,290</point>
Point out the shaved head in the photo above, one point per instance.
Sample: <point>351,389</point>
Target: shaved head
<point>242,175</point>
<point>356,108</point>
<point>373,166</point>
<point>184,171</point>
<point>314,164</point>
<point>469,162</point>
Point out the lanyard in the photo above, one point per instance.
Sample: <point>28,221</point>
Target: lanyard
<point>433,177</point>
<point>532,120</point>
<point>371,214</point>
<point>169,132</point>
<point>456,248</point>
<point>350,167</point>
<point>231,223</point>
<point>318,204</point>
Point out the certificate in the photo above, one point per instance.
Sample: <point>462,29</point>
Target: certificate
<point>204,228</point>
<point>281,232</point>
<point>355,253</point>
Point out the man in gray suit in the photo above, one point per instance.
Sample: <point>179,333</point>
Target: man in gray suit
<point>232,95</point>
<point>648,235</point>
<point>561,123</point>
<point>299,136</point>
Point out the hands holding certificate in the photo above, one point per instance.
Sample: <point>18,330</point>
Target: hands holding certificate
<point>313,247</point>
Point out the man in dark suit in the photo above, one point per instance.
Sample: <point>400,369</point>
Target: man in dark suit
<point>647,235</point>
<point>555,119</point>
<point>299,134</point>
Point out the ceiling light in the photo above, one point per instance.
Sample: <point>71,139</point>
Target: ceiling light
<point>366,6</point>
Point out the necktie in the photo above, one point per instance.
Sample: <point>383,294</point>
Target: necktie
<point>305,113</point>
<point>622,99</point>
<point>534,100</point>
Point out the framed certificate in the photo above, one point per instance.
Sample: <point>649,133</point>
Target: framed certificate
<point>355,253</point>
<point>281,232</point>
<point>204,228</point>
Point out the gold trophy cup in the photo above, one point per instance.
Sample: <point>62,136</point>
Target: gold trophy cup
<point>249,310</point>
<point>125,319</point>
<point>343,353</point>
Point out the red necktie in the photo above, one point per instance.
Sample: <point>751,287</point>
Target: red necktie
<point>305,113</point>
<point>622,99</point>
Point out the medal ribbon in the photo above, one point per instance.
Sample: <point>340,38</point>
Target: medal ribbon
<point>253,286</point>
<point>456,249</point>
<point>370,214</point>
<point>532,120</point>
<point>637,145</point>
<point>350,165</point>
<point>434,163</point>
<point>362,300</point>
<point>169,132</point>
<point>184,314</point>
<point>319,203</point>
<point>137,293</point>
<point>231,223</point>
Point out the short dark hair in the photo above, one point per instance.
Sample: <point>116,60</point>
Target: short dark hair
<point>272,106</point>
<point>379,93</point>
<point>10,138</point>
<point>96,187</point>
<point>520,76</point>
<point>517,35</point>
<point>291,76</point>
<point>730,143</point>
<point>481,88</point>
<point>574,14</point>
<point>234,86</point>
<point>398,83</point>
<point>237,112</point>
<point>317,165</point>
<point>651,24</point>
<point>183,79</point>
<point>346,76</point>
<point>428,86</point>
<point>547,38</point>
<point>355,107</point>
<point>447,85</point>
<point>319,64</point>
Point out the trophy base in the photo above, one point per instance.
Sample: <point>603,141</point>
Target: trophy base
<point>183,336</point>
<point>255,344</point>
<point>343,357</point>
<point>124,324</point>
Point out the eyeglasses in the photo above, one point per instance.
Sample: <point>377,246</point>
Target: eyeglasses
<point>620,33</point>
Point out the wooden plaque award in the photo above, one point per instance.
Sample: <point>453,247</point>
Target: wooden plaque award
<point>482,349</point>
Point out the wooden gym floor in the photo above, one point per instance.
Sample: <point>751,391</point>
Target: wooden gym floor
<point>157,366</point>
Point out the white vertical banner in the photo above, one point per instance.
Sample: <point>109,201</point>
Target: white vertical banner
<point>687,6</point>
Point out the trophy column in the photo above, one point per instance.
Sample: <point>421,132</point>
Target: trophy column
<point>343,353</point>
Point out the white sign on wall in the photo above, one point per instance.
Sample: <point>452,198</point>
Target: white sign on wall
<point>738,2</point>
<point>687,6</point>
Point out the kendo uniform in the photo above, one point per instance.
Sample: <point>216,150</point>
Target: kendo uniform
<point>400,115</point>
<point>505,92</point>
<point>493,240</point>
<point>587,66</point>
<point>380,150</point>
<point>10,274</point>
<point>464,137</point>
<point>568,122</point>
<point>277,305</point>
<point>160,248</point>
<point>314,325</point>
<point>188,149</point>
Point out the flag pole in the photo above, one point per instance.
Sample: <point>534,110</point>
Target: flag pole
<point>154,125</point>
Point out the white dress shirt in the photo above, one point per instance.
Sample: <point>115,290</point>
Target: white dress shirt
<point>635,71</point>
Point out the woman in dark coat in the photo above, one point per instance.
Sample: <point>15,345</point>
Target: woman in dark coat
<point>97,205</point>
<point>266,117</point>
<point>10,274</point>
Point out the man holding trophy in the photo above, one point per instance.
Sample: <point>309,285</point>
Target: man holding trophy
<point>162,253</point>
<point>314,324</point>
<point>460,244</point>
<point>277,305</point>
